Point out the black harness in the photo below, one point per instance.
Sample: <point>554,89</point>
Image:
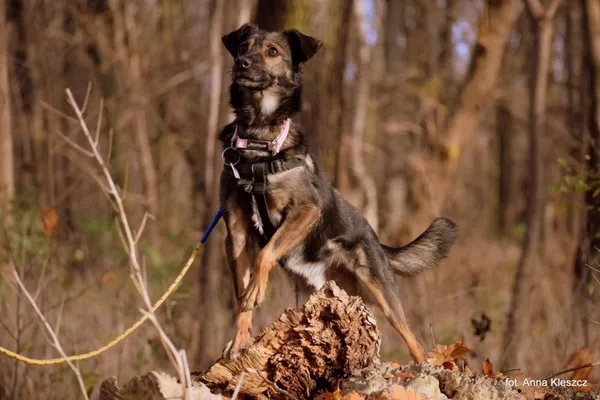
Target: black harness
<point>257,173</point>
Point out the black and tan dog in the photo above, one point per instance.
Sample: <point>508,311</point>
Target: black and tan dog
<point>278,205</point>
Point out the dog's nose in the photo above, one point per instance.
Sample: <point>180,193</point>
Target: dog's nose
<point>243,62</point>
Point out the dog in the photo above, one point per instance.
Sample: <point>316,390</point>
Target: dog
<point>278,205</point>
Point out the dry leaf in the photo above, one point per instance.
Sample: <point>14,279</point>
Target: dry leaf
<point>446,355</point>
<point>107,277</point>
<point>49,220</point>
<point>488,370</point>
<point>581,357</point>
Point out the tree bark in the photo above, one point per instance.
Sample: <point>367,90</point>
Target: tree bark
<point>543,21</point>
<point>7,180</point>
<point>494,31</point>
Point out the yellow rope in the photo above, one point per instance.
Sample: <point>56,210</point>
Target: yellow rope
<point>119,338</point>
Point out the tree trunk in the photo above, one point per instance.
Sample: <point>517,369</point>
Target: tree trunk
<point>336,90</point>
<point>7,180</point>
<point>507,189</point>
<point>515,329</point>
<point>494,31</point>
<point>139,102</point>
<point>359,122</point>
<point>589,242</point>
<point>210,277</point>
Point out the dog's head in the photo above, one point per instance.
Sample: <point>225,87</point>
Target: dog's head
<point>265,59</point>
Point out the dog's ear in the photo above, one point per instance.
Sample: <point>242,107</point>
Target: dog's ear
<point>232,40</point>
<point>303,46</point>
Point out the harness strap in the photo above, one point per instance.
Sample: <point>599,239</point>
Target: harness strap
<point>259,189</point>
<point>271,167</point>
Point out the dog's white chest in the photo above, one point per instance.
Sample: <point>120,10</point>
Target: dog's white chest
<point>313,272</point>
<point>269,102</point>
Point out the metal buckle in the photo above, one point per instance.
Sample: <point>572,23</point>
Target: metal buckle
<point>231,164</point>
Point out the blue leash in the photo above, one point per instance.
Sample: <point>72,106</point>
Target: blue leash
<point>212,225</point>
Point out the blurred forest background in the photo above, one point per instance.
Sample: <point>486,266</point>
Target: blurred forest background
<point>483,111</point>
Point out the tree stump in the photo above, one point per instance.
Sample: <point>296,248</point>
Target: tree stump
<point>308,350</point>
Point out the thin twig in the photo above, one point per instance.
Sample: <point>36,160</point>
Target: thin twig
<point>592,268</point>
<point>510,370</point>
<point>52,334</point>
<point>564,371</point>
<point>138,235</point>
<point>75,145</point>
<point>99,123</point>
<point>552,9</point>
<point>536,7</point>
<point>88,91</point>
<point>60,313</point>
<point>57,112</point>
<point>238,386</point>
<point>111,135</point>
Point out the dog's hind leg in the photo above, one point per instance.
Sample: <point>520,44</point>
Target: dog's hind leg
<point>380,282</point>
<point>241,251</point>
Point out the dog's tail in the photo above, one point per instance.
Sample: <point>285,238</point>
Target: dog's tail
<point>425,251</point>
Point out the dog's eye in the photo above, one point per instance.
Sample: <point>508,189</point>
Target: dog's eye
<point>273,52</point>
<point>243,48</point>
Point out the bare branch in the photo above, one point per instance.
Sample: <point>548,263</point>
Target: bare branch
<point>552,9</point>
<point>57,112</point>
<point>52,334</point>
<point>129,242</point>
<point>99,123</point>
<point>75,145</point>
<point>536,8</point>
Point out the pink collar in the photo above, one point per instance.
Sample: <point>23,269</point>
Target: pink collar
<point>273,146</point>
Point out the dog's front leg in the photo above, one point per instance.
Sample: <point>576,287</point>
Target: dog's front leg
<point>293,231</point>
<point>241,248</point>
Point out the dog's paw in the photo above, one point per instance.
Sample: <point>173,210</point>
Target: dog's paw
<point>234,347</point>
<point>254,294</point>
